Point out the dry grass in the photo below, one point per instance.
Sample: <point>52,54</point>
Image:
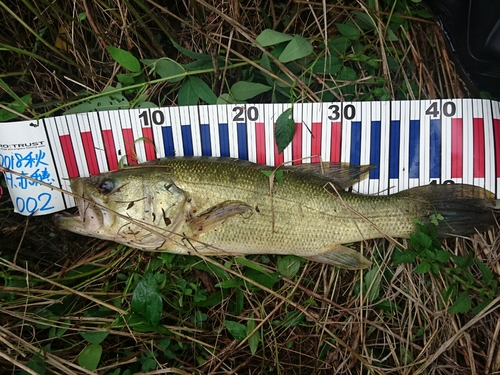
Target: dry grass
<point>56,285</point>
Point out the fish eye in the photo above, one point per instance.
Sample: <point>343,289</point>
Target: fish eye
<point>106,186</point>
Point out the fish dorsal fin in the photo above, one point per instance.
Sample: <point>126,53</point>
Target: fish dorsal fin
<point>218,214</point>
<point>342,257</point>
<point>342,174</point>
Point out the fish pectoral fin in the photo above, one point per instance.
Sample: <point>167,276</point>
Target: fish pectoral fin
<point>217,215</point>
<point>342,257</point>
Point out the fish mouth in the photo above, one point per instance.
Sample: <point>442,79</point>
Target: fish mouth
<point>70,222</point>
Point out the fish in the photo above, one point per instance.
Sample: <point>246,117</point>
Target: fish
<point>224,206</point>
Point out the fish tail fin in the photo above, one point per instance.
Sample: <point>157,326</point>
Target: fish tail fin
<point>459,209</point>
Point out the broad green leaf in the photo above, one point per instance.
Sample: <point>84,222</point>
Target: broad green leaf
<point>486,273</point>
<point>203,91</point>
<point>339,46</point>
<point>94,337</point>
<point>265,279</point>
<point>102,103</point>
<point>403,257</point>
<point>167,68</point>
<point>327,65</point>
<point>125,59</point>
<point>253,340</point>
<point>243,90</point>
<point>288,266</point>
<point>285,130</point>
<point>269,37</point>
<point>461,305</point>
<point>225,99</point>
<point>146,299</point>
<point>371,281</point>
<point>348,30</point>
<point>187,95</point>
<point>442,256</point>
<point>423,267</point>
<point>347,74</point>
<point>297,48</point>
<point>90,356</point>
<point>237,330</point>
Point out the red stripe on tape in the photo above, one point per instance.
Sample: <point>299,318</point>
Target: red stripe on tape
<point>316,142</point>
<point>109,148</point>
<point>89,149</point>
<point>496,129</point>
<point>456,148</point>
<point>336,141</point>
<point>149,147</point>
<point>297,144</point>
<point>478,124</point>
<point>260,142</point>
<point>128,139</point>
<point>69,155</point>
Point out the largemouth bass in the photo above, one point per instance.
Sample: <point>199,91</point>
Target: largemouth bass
<point>226,206</point>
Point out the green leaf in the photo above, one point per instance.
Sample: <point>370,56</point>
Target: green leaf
<point>463,262</point>
<point>288,266</point>
<point>16,106</point>
<point>248,263</point>
<point>293,318</point>
<point>94,337</point>
<point>243,90</point>
<point>486,273</point>
<point>253,340</point>
<point>237,330</point>
<point>125,59</point>
<point>285,130</point>
<point>423,267</point>
<point>349,30</point>
<point>269,37</point>
<point>146,299</point>
<point>102,103</point>
<point>187,94</point>
<point>202,90</point>
<point>192,54</point>
<point>371,282</point>
<point>297,48</point>
<point>442,256</point>
<point>167,68</point>
<point>327,65</point>
<point>90,356</point>
<point>403,257</point>
<point>461,305</point>
<point>339,46</point>
<point>481,306</point>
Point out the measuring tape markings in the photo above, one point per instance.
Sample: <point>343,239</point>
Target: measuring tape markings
<point>411,142</point>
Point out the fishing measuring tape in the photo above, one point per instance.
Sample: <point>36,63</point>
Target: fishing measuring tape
<point>411,143</point>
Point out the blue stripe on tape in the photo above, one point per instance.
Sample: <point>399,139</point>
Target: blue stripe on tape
<point>375,149</point>
<point>206,145</point>
<point>394,140</point>
<point>355,143</point>
<point>435,151</point>
<point>414,150</point>
<point>224,140</point>
<point>187,140</point>
<point>168,140</point>
<point>242,141</point>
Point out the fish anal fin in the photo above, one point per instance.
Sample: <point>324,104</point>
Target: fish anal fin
<point>217,215</point>
<point>342,257</point>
